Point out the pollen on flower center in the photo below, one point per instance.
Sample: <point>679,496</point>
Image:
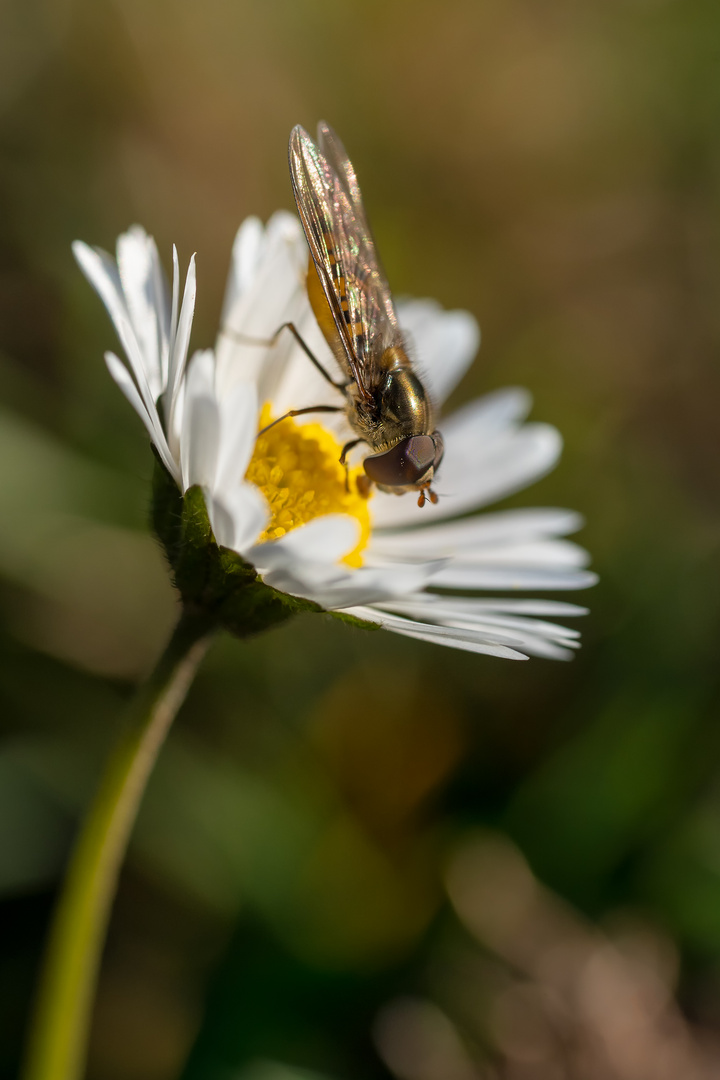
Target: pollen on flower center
<point>297,468</point>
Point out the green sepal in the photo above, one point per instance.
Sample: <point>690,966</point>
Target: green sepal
<point>166,510</point>
<point>248,604</point>
<point>211,578</point>
<point>353,620</point>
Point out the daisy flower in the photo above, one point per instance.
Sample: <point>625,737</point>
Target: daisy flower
<point>281,500</point>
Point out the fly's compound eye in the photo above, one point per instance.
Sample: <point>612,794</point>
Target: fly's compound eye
<point>406,463</point>
<point>439,448</point>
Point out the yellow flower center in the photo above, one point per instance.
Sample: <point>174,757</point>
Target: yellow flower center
<point>297,468</point>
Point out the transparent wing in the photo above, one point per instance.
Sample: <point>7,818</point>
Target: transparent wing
<point>331,210</point>
<point>379,294</point>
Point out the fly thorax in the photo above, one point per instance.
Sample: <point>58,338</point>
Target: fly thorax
<point>404,406</point>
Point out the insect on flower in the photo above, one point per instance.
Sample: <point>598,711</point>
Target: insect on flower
<point>387,405</point>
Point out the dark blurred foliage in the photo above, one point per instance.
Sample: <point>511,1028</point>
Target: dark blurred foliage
<point>554,167</point>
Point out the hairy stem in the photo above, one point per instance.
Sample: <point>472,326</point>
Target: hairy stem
<point>60,1025</point>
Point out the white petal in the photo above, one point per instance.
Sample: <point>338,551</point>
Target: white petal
<point>285,375</point>
<point>238,516</point>
<point>457,575</point>
<point>174,425</point>
<point>462,611</point>
<point>102,273</point>
<point>441,343</point>
<point>506,456</point>
<point>268,288</point>
<point>535,554</point>
<point>199,442</point>
<point>535,628</point>
<point>547,650</point>
<point>509,563</point>
<point>474,476</point>
<point>149,417</point>
<point>305,563</point>
<point>200,378</point>
<point>238,427</point>
<point>442,607</point>
<point>250,514</point>
<point>139,269</point>
<point>246,251</point>
<point>529,607</point>
<point>175,305</point>
<point>438,635</point>
<point>531,635</point>
<point>367,585</point>
<point>200,436</point>
<point>433,637</point>
<point>477,532</point>
<point>320,582</point>
<point>324,540</point>
<point>296,382</point>
<point>254,243</point>
<point>493,412</point>
<point>260,303</point>
<point>181,339</point>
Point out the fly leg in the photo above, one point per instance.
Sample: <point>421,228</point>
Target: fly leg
<point>364,483</point>
<point>245,339</point>
<point>426,492</point>
<point>300,412</point>
<point>343,459</point>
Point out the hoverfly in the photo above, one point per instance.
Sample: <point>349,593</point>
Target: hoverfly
<point>386,403</point>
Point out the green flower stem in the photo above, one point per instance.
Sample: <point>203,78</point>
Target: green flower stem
<point>59,1032</point>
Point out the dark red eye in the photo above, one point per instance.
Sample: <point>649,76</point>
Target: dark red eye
<point>404,464</point>
<point>439,448</point>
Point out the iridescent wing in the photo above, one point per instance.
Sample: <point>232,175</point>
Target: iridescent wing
<point>333,217</point>
<point>377,286</point>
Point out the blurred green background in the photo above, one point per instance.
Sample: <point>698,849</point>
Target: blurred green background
<point>554,167</point>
